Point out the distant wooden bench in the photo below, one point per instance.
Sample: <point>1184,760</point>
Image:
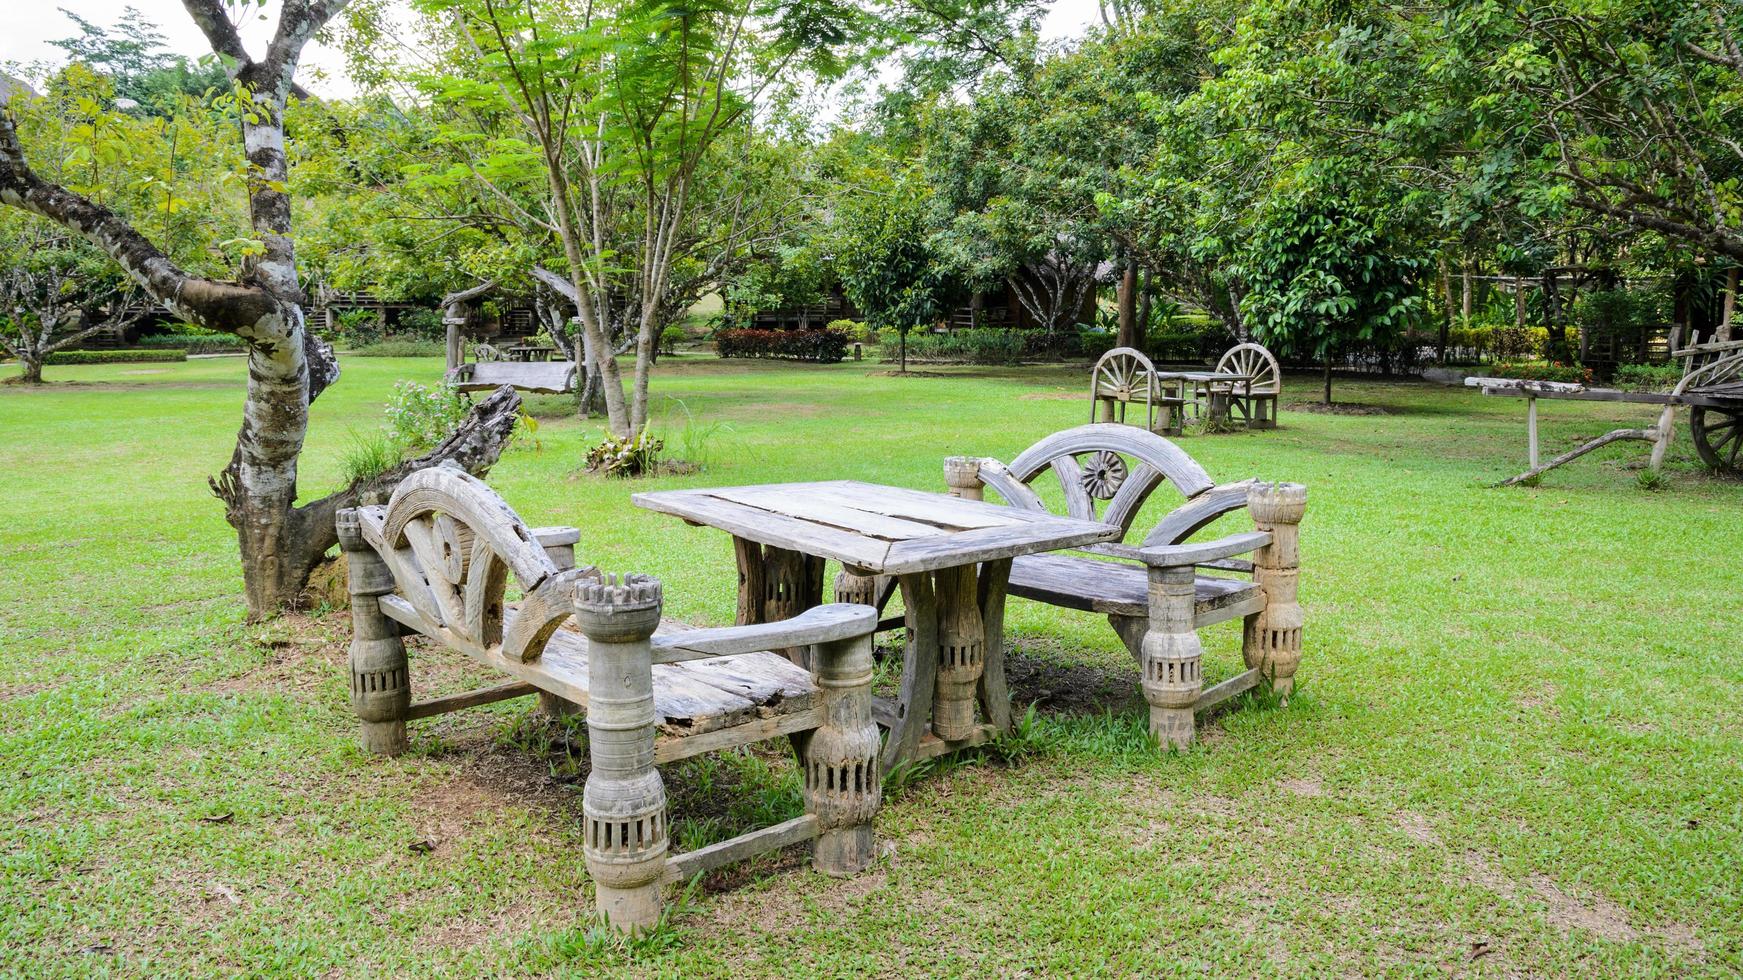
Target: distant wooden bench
<point>543,377</point>
<point>1152,591</point>
<point>437,560</point>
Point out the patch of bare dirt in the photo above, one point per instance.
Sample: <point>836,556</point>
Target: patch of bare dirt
<point>1336,408</point>
<point>911,373</point>
<point>1051,396</point>
<point>300,650</point>
<point>1308,788</point>
<point>1070,689</point>
<point>1591,913</point>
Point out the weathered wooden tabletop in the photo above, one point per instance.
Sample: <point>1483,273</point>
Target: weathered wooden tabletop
<point>874,529</point>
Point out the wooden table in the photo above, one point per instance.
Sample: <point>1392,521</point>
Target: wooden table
<point>950,557</point>
<point>527,353</point>
<point>1217,385</point>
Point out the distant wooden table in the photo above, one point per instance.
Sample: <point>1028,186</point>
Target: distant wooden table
<point>529,352</point>
<point>950,557</point>
<point>1217,386</point>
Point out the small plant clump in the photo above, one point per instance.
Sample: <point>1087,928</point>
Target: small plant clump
<point>420,416</point>
<point>636,455</point>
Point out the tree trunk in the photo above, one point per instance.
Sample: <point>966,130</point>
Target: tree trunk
<point>1327,398</point>
<point>1465,294</point>
<point>1127,300</point>
<point>1146,281</point>
<point>30,370</point>
<point>1446,297</point>
<point>1725,331</point>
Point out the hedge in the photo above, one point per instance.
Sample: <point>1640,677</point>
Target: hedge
<point>196,343</point>
<point>995,345</point>
<point>401,348</point>
<point>1571,373</point>
<point>820,346</point>
<point>114,356</point>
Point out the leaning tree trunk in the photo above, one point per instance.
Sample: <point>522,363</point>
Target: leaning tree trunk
<point>288,368</point>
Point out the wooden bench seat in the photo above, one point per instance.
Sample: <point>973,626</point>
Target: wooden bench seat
<point>1154,592</point>
<point>1123,589</point>
<point>543,377</point>
<point>436,561</point>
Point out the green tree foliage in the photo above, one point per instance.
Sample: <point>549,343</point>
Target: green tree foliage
<point>133,55</point>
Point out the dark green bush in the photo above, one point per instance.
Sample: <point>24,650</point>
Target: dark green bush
<point>821,346</point>
<point>114,356</point>
<point>399,347</point>
<point>421,324</point>
<point>201,342</point>
<point>1571,373</point>
<point>1647,377</point>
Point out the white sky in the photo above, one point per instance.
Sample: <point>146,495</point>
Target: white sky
<point>31,24</point>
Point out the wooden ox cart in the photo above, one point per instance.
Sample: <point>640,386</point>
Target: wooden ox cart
<point>1711,387</point>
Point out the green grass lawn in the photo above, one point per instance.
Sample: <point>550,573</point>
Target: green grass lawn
<point>1515,747</point>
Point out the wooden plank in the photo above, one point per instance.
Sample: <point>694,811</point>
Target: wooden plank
<point>986,544</point>
<point>1123,589</point>
<point>1193,516</point>
<point>994,693</point>
<point>1194,552</point>
<point>820,624</point>
<point>683,867</point>
<point>768,680</point>
<point>1213,696</point>
<point>920,506</point>
<point>931,746</point>
<point>469,699</point>
<point>919,671</point>
<point>799,504</point>
<point>671,748</point>
<point>766,527</point>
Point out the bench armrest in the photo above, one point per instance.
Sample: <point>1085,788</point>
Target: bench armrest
<point>821,624</point>
<point>1198,552</point>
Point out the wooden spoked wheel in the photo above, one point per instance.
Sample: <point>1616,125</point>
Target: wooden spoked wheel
<point>1256,363</point>
<point>1123,376</point>
<point>1718,434</point>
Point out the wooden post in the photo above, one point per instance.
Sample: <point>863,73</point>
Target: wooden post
<point>1171,655</point>
<point>381,690</point>
<point>843,778</point>
<point>1531,427</point>
<point>624,804</point>
<point>962,475</point>
<point>961,653</point>
<point>865,590</point>
<point>1271,640</point>
<point>451,348</point>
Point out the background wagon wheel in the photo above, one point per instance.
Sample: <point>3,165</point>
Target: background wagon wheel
<point>1123,375</point>
<point>1256,363</point>
<point>1718,436</point>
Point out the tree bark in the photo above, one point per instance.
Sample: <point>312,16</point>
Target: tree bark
<point>1127,300</point>
<point>1327,398</point>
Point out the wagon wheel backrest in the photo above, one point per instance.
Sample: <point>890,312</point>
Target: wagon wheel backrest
<point>451,543</point>
<point>1103,465</point>
<point>1122,373</point>
<point>1256,363</point>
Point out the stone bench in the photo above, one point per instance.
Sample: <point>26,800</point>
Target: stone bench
<point>437,561</point>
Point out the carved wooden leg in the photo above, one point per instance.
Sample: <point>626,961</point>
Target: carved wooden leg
<point>381,690</point>
<point>961,653</point>
<point>750,581</point>
<point>1171,655</point>
<point>843,778</point>
<point>995,695</point>
<point>919,667</point>
<point>557,707</point>
<point>624,804</point>
<point>867,590</point>
<point>1271,639</point>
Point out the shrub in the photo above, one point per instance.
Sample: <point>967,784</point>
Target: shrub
<point>114,356</point>
<point>358,327</point>
<point>201,342</point>
<point>822,346</point>
<point>399,347</point>
<point>670,338</point>
<point>369,455</point>
<point>633,456</point>
<point>420,416</point>
<point>1648,377</point>
<point>962,346</point>
<point>422,324</point>
<point>1571,373</point>
<point>861,333</point>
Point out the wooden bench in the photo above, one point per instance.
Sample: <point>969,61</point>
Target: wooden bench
<point>1253,400</point>
<point>437,560</point>
<point>543,377</point>
<point>1153,591</point>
